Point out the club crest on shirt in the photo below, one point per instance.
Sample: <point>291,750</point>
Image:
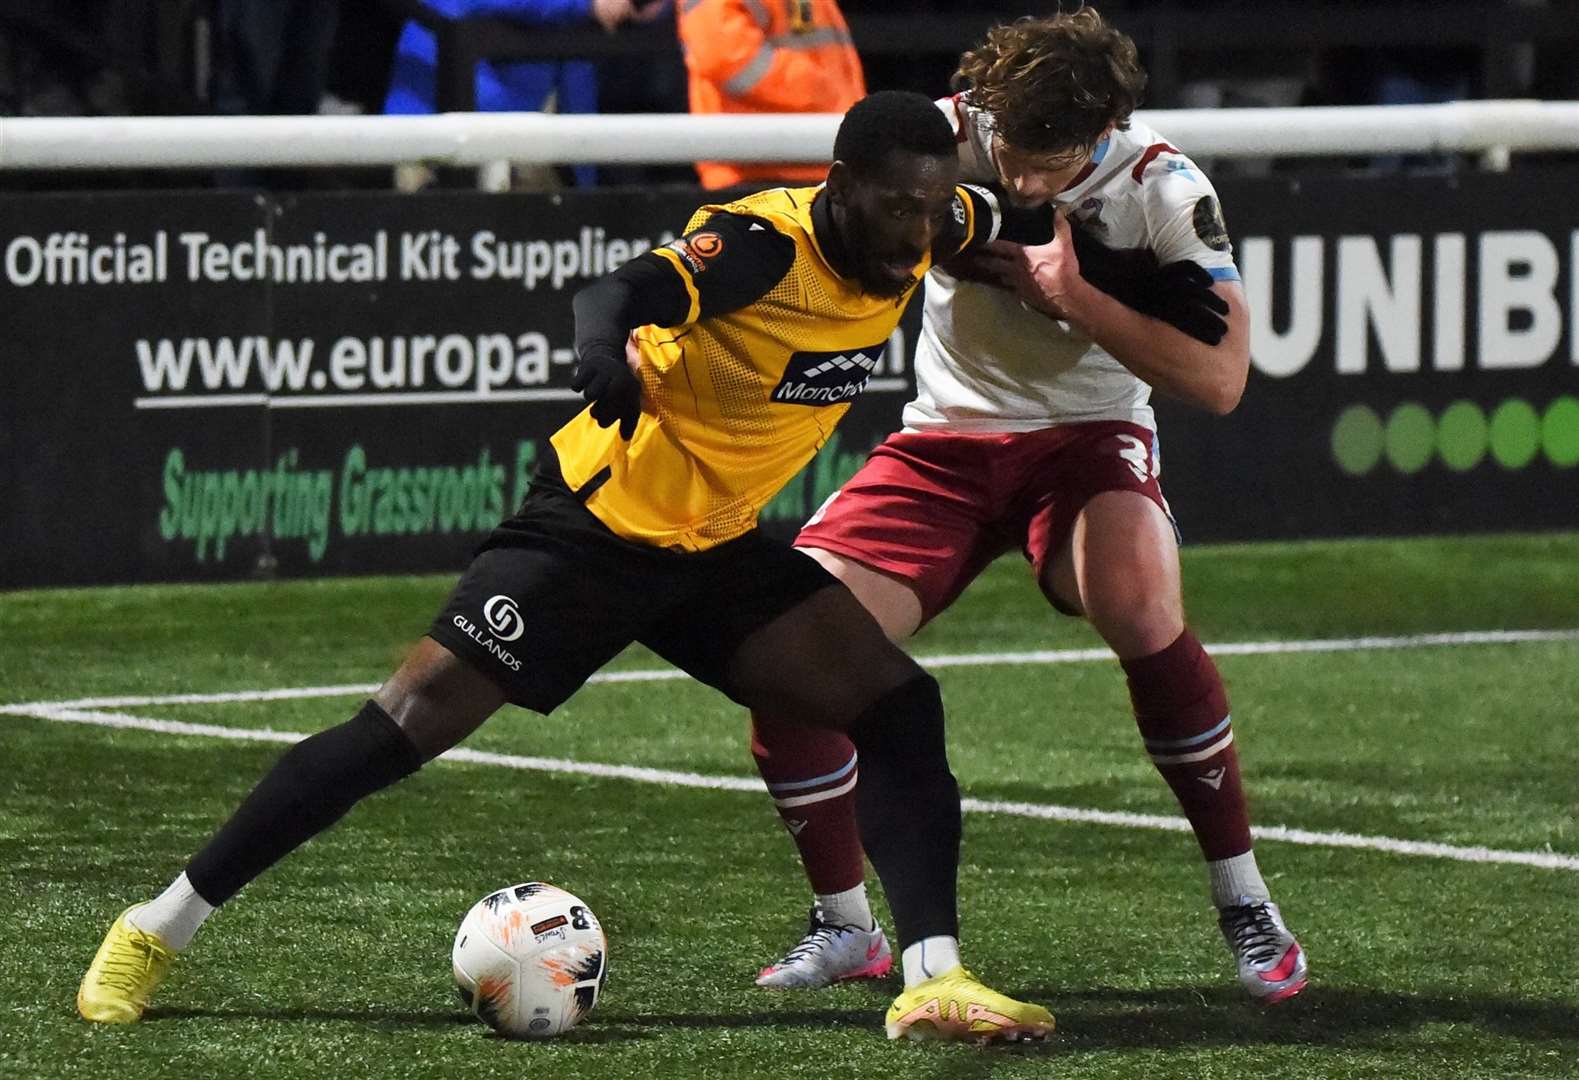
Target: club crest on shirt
<point>698,249</point>
<point>1089,214</point>
<point>1209,224</point>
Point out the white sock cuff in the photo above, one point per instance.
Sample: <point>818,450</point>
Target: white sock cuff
<point>847,908</point>
<point>929,957</point>
<point>174,915</point>
<point>1235,877</point>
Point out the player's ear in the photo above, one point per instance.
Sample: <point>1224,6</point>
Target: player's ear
<point>839,181</point>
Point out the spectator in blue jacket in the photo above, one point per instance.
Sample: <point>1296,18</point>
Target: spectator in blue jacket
<point>568,86</point>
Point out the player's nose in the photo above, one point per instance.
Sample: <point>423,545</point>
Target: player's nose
<point>1028,186</point>
<point>918,238</point>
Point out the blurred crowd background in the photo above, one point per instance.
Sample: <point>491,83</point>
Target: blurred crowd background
<point>146,57</point>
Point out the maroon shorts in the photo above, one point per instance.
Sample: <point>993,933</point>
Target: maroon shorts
<point>934,508</point>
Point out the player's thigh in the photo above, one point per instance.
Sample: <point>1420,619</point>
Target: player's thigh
<point>1071,465</point>
<point>824,662</point>
<point>892,602</point>
<point>918,514</point>
<point>768,626</point>
<point>554,598</point>
<point>1120,564</point>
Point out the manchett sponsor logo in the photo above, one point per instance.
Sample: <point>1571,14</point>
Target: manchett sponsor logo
<point>504,619</point>
<point>806,394</point>
<point>827,378</point>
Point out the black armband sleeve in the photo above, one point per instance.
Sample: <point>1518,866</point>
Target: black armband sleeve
<point>973,220</point>
<point>1109,269</point>
<point>1027,224</point>
<point>983,212</point>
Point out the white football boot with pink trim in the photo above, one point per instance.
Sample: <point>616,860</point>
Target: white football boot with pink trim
<point>1272,966</point>
<point>828,954</point>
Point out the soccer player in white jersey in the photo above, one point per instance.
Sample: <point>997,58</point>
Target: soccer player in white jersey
<point>1031,429</point>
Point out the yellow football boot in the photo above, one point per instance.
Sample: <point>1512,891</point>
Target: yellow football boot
<point>127,969</point>
<point>955,1005</point>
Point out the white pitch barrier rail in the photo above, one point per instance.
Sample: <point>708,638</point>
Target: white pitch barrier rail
<point>1493,129</point>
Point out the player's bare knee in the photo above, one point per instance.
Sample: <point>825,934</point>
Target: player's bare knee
<point>419,719</point>
<point>1136,623</point>
<point>437,699</point>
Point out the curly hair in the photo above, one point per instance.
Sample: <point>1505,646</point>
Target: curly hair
<point>1055,83</point>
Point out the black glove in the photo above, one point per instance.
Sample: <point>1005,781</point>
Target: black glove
<point>1180,294</point>
<point>610,387</point>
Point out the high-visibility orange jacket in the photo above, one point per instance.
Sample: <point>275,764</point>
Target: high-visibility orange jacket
<point>759,56</point>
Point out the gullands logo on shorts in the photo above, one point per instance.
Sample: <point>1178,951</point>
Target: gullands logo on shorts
<point>504,619</point>
<point>827,378</point>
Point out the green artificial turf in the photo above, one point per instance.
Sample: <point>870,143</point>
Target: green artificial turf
<point>336,963</point>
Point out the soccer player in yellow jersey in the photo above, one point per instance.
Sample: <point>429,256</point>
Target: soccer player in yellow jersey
<point>756,329</point>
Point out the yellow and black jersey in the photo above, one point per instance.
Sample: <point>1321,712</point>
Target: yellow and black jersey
<point>752,348</point>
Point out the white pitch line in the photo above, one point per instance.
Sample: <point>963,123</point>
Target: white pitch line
<point>293,693</point>
<point>639,774</point>
<point>1049,656</point>
<point>1269,648</point>
<point>1546,860</point>
<point>67,715</point>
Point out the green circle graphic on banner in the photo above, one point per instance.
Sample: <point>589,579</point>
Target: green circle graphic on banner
<point>1357,440</point>
<point>1515,434</point>
<point>1410,438</point>
<point>1461,435</point>
<point>1560,432</point>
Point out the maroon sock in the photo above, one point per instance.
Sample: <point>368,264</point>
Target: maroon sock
<point>1182,710</point>
<point>811,773</point>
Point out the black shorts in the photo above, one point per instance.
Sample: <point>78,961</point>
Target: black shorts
<point>553,595</point>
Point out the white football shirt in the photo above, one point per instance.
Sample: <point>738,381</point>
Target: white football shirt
<point>987,364</point>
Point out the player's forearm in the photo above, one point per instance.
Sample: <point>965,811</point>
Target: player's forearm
<point>603,317</point>
<point>1211,377</point>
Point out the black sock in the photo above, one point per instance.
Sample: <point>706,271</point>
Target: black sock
<point>309,789</point>
<point>907,805</point>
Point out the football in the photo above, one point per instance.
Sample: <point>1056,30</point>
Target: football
<point>530,960</point>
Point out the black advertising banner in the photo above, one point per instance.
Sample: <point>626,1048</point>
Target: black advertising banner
<point>1415,346</point>
<point>92,291</point>
<point>217,385</point>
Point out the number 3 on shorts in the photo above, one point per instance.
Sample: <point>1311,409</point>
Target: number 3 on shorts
<point>1134,453</point>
